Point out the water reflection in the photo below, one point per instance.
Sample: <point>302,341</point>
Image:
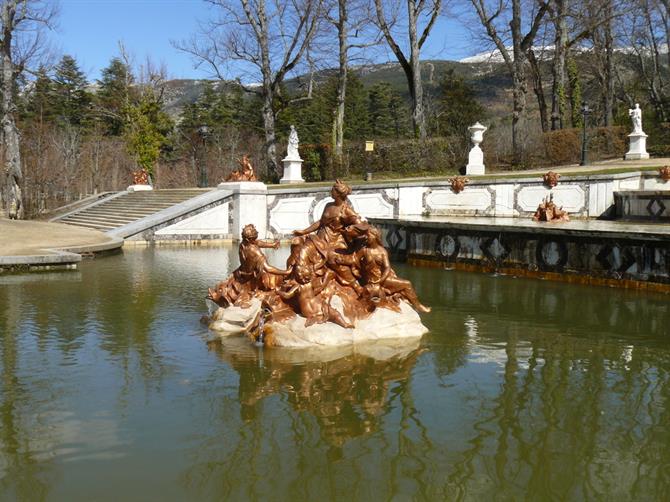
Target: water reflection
<point>346,391</point>
<point>522,389</point>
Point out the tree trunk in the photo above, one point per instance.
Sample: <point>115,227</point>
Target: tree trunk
<point>414,77</point>
<point>538,88</point>
<point>608,88</point>
<point>273,169</point>
<point>11,202</point>
<point>338,115</point>
<point>558,67</point>
<point>519,83</point>
<point>518,115</point>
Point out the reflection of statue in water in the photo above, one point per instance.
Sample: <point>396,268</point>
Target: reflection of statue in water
<point>347,395</point>
<point>338,271</point>
<point>245,173</point>
<point>636,116</point>
<point>293,143</point>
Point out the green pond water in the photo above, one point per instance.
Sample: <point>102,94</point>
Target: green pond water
<point>522,390</point>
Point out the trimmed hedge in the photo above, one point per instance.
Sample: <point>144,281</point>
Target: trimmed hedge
<point>447,155</point>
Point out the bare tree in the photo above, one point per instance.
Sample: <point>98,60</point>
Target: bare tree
<point>417,11</point>
<point>351,19</point>
<point>263,39</point>
<point>495,20</point>
<point>20,43</point>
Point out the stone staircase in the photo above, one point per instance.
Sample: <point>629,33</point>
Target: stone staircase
<point>127,207</point>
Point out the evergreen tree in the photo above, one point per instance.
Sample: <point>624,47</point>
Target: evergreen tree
<point>114,95</point>
<point>70,99</point>
<point>146,129</point>
<point>37,106</point>
<point>355,109</point>
<point>385,111</point>
<point>458,108</point>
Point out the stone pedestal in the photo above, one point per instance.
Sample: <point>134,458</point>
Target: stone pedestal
<point>249,205</point>
<point>476,156</point>
<point>475,162</point>
<point>139,188</point>
<point>292,171</point>
<point>638,146</point>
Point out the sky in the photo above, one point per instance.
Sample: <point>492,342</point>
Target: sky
<point>90,30</point>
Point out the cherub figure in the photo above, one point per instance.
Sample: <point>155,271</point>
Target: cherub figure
<point>307,289</point>
<point>378,277</point>
<point>253,274</point>
<point>245,173</point>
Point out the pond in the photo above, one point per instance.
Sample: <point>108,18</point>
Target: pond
<point>110,390</point>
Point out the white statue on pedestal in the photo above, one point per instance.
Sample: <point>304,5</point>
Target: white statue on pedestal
<point>476,156</point>
<point>292,162</point>
<point>636,116</point>
<point>293,143</point>
<point>638,139</point>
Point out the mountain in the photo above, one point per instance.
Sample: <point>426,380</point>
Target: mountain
<point>488,78</point>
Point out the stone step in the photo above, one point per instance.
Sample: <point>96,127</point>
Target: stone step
<point>129,211</point>
<point>97,226</point>
<point>134,203</point>
<point>112,219</point>
<point>127,205</point>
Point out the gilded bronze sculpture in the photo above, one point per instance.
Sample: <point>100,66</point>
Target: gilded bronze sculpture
<point>245,173</point>
<point>458,183</point>
<point>140,177</point>
<point>338,271</point>
<point>550,212</point>
<point>550,179</point>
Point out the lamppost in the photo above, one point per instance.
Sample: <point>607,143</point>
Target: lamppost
<point>585,113</point>
<point>203,132</point>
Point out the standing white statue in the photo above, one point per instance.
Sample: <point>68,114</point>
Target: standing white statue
<point>636,115</point>
<point>293,143</point>
<point>292,161</point>
<point>638,139</point>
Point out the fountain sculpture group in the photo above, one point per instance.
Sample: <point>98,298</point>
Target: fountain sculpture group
<point>338,286</point>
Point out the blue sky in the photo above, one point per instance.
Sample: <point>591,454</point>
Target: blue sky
<point>90,30</point>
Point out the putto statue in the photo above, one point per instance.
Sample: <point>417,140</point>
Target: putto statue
<point>245,173</point>
<point>338,280</point>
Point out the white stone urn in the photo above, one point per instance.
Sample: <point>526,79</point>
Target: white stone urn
<point>476,156</point>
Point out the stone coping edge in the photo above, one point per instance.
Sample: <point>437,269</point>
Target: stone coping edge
<point>511,227</point>
<point>474,180</point>
<point>61,256</point>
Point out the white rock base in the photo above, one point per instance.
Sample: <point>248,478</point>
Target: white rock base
<point>292,171</point>
<point>383,324</point>
<point>638,147</point>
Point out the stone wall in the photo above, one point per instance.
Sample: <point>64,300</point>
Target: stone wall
<point>579,252</point>
<point>281,210</point>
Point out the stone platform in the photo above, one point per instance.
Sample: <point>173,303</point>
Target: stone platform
<point>37,245</point>
<point>612,253</point>
<point>643,205</point>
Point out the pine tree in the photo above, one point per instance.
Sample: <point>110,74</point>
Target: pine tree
<point>37,106</point>
<point>458,108</point>
<point>70,99</point>
<point>381,119</point>
<point>146,130</point>
<point>114,95</point>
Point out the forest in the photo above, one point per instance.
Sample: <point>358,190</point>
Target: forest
<point>316,64</point>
